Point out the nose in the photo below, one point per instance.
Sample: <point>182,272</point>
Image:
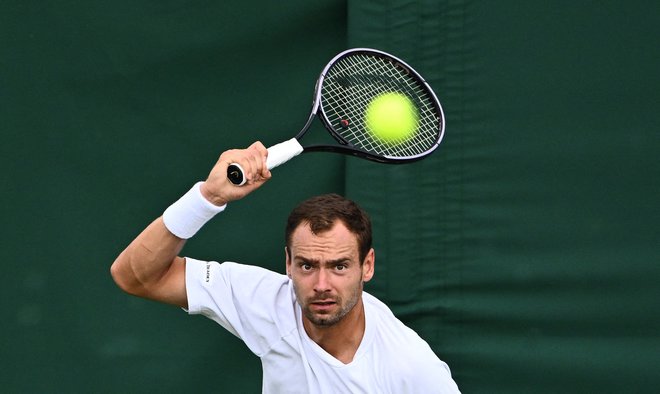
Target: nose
<point>322,284</point>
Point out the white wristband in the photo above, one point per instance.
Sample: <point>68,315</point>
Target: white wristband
<point>186,216</point>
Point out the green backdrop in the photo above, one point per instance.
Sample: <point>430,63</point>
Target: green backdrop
<point>526,250</point>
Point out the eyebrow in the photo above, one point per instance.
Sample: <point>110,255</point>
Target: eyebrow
<point>316,262</point>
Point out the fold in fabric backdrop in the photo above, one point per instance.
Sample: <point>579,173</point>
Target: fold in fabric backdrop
<point>526,248</point>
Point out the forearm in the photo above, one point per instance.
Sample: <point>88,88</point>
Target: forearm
<point>150,266</point>
<point>147,260</point>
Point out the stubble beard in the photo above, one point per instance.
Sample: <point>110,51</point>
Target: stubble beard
<point>327,320</point>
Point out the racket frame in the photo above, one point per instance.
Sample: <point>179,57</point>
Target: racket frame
<point>282,152</point>
<point>346,147</point>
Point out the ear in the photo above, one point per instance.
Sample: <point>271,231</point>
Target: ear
<point>288,262</point>
<point>368,265</point>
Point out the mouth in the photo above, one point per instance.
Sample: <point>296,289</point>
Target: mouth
<point>322,305</point>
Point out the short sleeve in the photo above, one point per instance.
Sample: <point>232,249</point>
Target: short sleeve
<point>251,302</point>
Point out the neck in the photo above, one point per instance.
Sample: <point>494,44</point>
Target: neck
<point>342,339</point>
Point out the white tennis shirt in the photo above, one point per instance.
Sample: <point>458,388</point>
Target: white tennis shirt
<point>259,306</point>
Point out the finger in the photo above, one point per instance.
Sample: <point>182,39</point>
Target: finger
<point>251,164</point>
<point>259,149</point>
<point>263,152</point>
<point>257,154</point>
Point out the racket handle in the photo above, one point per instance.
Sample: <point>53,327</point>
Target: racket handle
<point>277,154</point>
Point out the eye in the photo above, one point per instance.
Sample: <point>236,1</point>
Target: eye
<point>306,267</point>
<point>340,267</point>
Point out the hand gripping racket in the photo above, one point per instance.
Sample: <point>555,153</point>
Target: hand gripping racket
<point>346,86</point>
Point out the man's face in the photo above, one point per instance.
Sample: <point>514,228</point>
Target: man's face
<point>326,272</point>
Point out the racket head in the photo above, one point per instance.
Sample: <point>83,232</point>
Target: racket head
<point>354,78</point>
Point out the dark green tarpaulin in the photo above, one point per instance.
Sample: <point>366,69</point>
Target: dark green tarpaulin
<point>526,250</point>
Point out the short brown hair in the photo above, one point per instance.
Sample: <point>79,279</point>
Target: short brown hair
<point>321,213</point>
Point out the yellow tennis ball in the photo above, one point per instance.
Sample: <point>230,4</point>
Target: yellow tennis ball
<point>391,118</point>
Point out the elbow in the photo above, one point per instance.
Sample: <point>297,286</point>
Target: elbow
<point>123,277</point>
<point>116,275</point>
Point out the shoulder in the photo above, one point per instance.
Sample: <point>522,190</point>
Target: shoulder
<point>253,303</point>
<point>230,273</point>
<point>413,366</point>
<point>228,283</point>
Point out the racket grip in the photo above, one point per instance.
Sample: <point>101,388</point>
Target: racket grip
<point>277,154</point>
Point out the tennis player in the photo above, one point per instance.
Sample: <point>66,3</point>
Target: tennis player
<point>314,328</point>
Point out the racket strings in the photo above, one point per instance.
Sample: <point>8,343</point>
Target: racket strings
<point>354,81</point>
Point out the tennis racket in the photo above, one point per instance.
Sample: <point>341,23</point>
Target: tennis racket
<point>346,86</point>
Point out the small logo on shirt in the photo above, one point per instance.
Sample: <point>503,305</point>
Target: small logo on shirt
<point>208,272</point>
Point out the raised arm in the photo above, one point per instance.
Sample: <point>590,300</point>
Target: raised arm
<point>150,266</point>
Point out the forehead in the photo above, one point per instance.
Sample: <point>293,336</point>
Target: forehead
<point>336,240</point>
